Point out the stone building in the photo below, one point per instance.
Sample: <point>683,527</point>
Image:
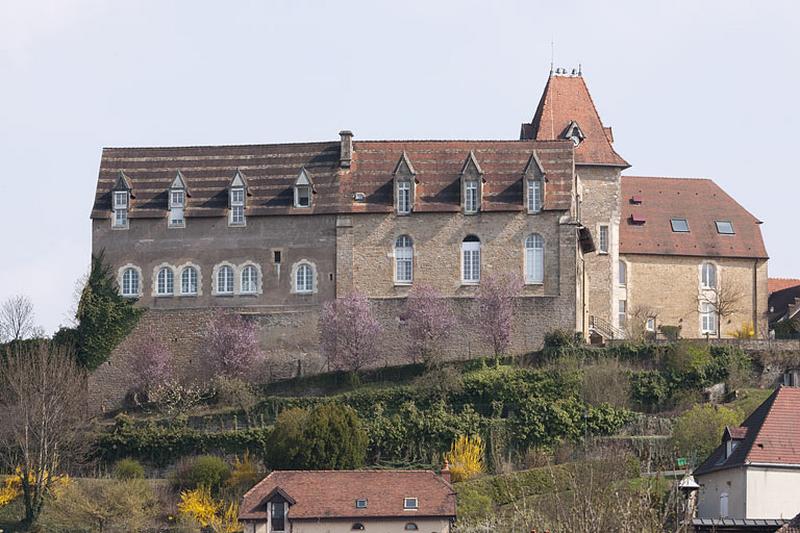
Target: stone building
<point>274,231</point>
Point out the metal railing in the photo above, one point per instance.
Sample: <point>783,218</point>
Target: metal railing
<point>604,328</point>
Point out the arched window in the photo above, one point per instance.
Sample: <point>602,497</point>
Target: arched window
<point>304,278</point>
<point>411,526</point>
<point>357,527</point>
<point>130,282</point>
<point>709,276</point>
<point>165,282</point>
<point>225,280</point>
<point>534,259</point>
<point>189,280</point>
<point>623,273</point>
<point>471,259</point>
<point>249,279</point>
<point>403,260</point>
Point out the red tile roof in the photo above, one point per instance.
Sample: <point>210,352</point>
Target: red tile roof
<point>772,435</point>
<point>271,171</point>
<point>701,202</point>
<point>333,494</point>
<point>567,99</point>
<point>779,284</point>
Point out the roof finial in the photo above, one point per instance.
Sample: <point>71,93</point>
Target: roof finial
<point>580,72</point>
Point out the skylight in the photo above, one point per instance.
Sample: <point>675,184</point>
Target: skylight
<point>680,225</point>
<point>724,227</point>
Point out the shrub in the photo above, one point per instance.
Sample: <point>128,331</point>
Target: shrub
<point>206,471</point>
<point>698,431</point>
<point>606,382</point>
<point>465,458</point>
<point>128,469</point>
<point>198,506</point>
<point>671,333</point>
<point>649,389</point>
<point>246,473</point>
<point>235,392</point>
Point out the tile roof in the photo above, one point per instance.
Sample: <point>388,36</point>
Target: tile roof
<point>271,171</point>
<point>779,284</point>
<point>566,99</point>
<point>645,220</point>
<point>784,303</point>
<point>772,435</point>
<point>333,494</point>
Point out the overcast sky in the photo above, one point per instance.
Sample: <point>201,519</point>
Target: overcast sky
<point>700,89</point>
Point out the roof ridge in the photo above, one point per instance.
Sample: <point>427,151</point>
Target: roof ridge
<point>518,141</point>
<point>246,145</point>
<point>688,178</point>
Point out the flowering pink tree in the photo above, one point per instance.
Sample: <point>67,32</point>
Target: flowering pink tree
<point>231,345</point>
<point>430,320</point>
<point>152,360</point>
<point>496,309</point>
<point>349,333</point>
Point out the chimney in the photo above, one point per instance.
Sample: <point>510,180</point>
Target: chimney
<point>346,151</point>
<point>446,471</point>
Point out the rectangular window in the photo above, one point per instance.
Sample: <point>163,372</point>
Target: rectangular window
<point>534,196</point>
<point>471,264</point>
<point>403,197</point>
<point>303,196</point>
<point>176,217</point>
<point>471,197</point>
<point>121,218</point>
<point>410,503</point>
<point>534,265</point>
<point>603,240</point>
<point>623,273</point>
<point>361,504</point>
<point>237,196</point>
<point>679,225</point>
<point>278,516</point>
<point>120,199</point>
<point>237,207</point>
<point>708,319</point>
<point>650,325</point>
<point>405,266</point>
<point>622,313</point>
<point>276,257</point>
<point>176,198</point>
<point>724,227</point>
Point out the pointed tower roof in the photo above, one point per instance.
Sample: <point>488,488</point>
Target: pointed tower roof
<point>566,103</point>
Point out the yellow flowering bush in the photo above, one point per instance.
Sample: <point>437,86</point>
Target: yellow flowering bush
<point>747,331</point>
<point>11,488</point>
<point>465,458</point>
<point>199,506</point>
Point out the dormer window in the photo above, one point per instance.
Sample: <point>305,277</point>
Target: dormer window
<point>730,446</point>
<point>237,192</point>
<point>410,503</point>
<point>177,202</point>
<point>574,133</point>
<point>534,180</point>
<point>361,504</point>
<point>303,189</point>
<point>404,185</point>
<point>278,516</point>
<point>471,185</point>
<point>120,202</point>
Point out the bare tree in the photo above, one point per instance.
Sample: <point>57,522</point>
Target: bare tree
<point>430,322</point>
<point>636,323</point>
<point>42,409</point>
<point>496,310</point>
<point>16,319</point>
<point>725,299</point>
<point>349,333</point>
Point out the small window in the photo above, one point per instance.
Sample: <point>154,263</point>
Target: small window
<point>403,197</point>
<point>121,218</point>
<point>724,227</point>
<point>130,282</point>
<point>303,196</point>
<point>622,312</point>
<point>603,240</point>
<point>249,281</point>
<point>404,260</point>
<point>237,207</point>
<point>120,199</point>
<point>708,319</point>
<point>276,257</point>
<point>534,195</point>
<point>189,281</point>
<point>471,260</point>
<point>225,280</point>
<point>680,225</point>
<point>650,325</point>
<point>361,504</point>
<point>623,273</point>
<point>177,198</point>
<point>723,505</point>
<point>278,516</point>
<point>410,503</point>
<point>304,279</point>
<point>471,196</point>
<point>165,281</point>
<point>357,527</point>
<point>411,526</point>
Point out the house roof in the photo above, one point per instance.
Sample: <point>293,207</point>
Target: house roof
<point>649,203</point>
<point>779,284</point>
<point>566,100</point>
<point>771,435</point>
<point>784,304</point>
<point>792,527</point>
<point>271,171</point>
<point>333,494</point>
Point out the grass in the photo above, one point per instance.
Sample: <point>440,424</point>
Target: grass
<point>749,399</point>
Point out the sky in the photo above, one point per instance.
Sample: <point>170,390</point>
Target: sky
<point>692,89</point>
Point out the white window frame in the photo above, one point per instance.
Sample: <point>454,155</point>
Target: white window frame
<point>603,239</point>
<point>650,324</point>
<point>622,274</point>
<point>470,262</point>
<point>708,319</point>
<point>255,281</point>
<point>534,259</point>
<point>217,278</point>
<point>237,216</point>
<point>622,313</point>
<point>535,195</point>
<point>120,219</point>
<point>165,287</point>
<point>302,275</point>
<point>471,194</point>
<point>403,260</point>
<point>408,506</point>
<point>186,284</point>
<point>708,273</point>
<point>285,507</point>
<point>403,192</point>
<point>177,203</point>
<point>305,289</point>
<point>723,505</point>
<point>125,196</point>
<point>138,281</point>
<point>297,203</point>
